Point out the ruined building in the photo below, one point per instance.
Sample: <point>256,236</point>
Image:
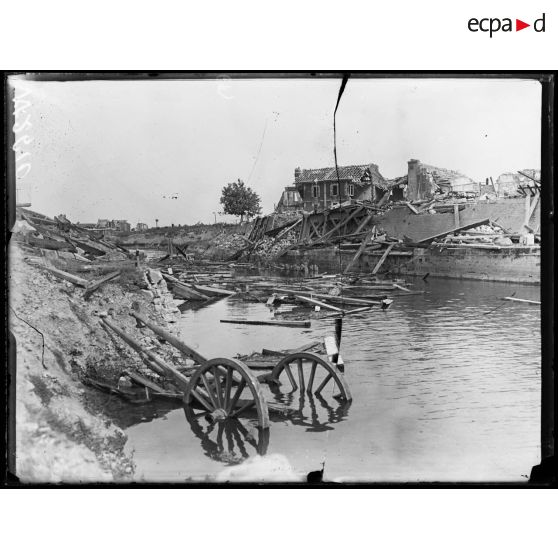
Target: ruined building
<point>327,187</point>
<point>510,184</point>
<point>424,181</point>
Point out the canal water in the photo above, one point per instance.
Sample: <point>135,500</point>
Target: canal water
<point>445,385</point>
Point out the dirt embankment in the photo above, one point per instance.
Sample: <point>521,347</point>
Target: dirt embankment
<point>208,241</point>
<point>62,433</point>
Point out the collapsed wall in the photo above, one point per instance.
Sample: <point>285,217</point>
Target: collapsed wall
<point>399,222</point>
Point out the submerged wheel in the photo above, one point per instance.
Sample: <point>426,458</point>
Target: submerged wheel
<point>217,386</point>
<point>310,369</point>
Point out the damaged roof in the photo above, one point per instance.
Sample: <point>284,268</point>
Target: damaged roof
<point>357,173</point>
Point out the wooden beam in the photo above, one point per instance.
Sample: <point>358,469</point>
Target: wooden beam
<point>339,225</point>
<point>48,244</point>
<point>359,251</point>
<point>412,208</point>
<point>454,230</point>
<point>333,298</point>
<point>401,287</point>
<point>211,291</point>
<point>520,300</point>
<point>533,206</point>
<point>314,227</point>
<point>268,323</point>
<point>383,258</point>
<point>181,291</point>
<point>169,370</point>
<point>318,303</point>
<point>288,229</point>
<point>186,290</point>
<point>174,341</point>
<point>80,282</point>
<point>303,228</point>
<point>527,209</point>
<point>529,177</point>
<point>363,224</point>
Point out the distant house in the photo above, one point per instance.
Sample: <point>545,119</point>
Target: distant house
<point>122,225</point>
<point>327,187</point>
<point>104,224</point>
<point>423,181</point>
<point>114,225</point>
<point>141,227</point>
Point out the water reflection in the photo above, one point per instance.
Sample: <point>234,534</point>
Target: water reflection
<point>231,441</point>
<point>308,416</point>
<point>228,441</point>
<point>124,413</point>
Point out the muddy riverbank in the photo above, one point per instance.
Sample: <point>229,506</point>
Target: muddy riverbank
<point>62,432</point>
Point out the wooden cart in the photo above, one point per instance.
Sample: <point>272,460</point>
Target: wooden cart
<point>225,388</point>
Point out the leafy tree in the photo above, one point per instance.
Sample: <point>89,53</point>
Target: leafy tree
<point>238,199</point>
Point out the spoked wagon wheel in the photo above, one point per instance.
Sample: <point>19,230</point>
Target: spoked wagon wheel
<point>217,386</point>
<point>310,370</point>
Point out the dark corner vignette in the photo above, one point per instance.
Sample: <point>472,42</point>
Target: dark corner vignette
<point>214,403</point>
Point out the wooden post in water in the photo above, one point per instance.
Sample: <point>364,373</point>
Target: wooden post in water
<point>338,331</point>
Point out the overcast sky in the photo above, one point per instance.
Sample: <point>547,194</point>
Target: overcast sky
<point>124,150</point>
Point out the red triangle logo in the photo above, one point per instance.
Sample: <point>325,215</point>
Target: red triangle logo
<point>519,25</point>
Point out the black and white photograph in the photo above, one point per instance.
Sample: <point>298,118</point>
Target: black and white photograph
<point>228,278</point>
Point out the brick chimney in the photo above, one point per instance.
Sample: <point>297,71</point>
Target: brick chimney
<point>297,173</point>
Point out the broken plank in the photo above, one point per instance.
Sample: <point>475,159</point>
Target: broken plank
<point>48,244</point>
<point>174,341</point>
<point>521,300</point>
<point>144,381</point>
<point>454,230</point>
<point>362,225</point>
<point>307,347</point>
<point>160,365</point>
<point>211,291</point>
<point>268,323</point>
<point>401,287</point>
<point>260,364</point>
<point>67,276</point>
<point>412,208</point>
<point>383,259</point>
<point>183,290</point>
<point>186,293</point>
<point>333,298</point>
<point>359,251</point>
<point>270,352</point>
<point>318,303</point>
<point>94,285</point>
<point>289,228</point>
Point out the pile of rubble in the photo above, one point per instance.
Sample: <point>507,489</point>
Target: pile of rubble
<point>270,247</point>
<point>162,299</point>
<point>42,235</point>
<point>230,241</point>
<point>486,236</point>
